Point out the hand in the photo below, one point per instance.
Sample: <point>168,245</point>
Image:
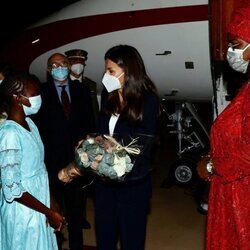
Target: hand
<point>69,173</point>
<point>56,220</point>
<point>202,168</point>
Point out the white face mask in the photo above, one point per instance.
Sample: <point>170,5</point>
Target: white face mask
<point>235,59</point>
<point>77,68</point>
<point>111,83</point>
<point>1,81</point>
<point>35,104</point>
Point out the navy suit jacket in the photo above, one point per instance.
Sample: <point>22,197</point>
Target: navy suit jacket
<point>146,131</point>
<point>59,135</point>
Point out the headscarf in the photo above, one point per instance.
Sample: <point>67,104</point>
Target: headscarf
<point>240,24</point>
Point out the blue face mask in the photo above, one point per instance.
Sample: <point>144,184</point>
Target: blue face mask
<point>60,73</point>
<point>35,104</point>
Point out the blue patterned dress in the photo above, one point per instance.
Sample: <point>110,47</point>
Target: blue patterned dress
<point>22,170</point>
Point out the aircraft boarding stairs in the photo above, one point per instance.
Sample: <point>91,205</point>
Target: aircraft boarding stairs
<point>192,140</point>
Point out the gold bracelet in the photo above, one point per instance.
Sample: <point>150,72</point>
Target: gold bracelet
<point>210,167</point>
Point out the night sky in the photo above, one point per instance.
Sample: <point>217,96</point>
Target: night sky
<point>17,15</point>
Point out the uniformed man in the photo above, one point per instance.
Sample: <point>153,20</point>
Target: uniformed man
<point>77,59</point>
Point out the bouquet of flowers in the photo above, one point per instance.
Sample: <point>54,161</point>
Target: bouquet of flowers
<point>103,156</point>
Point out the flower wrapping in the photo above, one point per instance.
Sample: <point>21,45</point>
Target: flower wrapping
<point>104,156</point>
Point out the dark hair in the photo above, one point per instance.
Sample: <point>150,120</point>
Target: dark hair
<point>14,85</point>
<point>5,69</point>
<point>137,82</point>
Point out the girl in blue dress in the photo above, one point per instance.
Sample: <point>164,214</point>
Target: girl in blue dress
<point>27,221</point>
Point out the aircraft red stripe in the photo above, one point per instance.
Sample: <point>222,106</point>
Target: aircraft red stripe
<point>62,32</point>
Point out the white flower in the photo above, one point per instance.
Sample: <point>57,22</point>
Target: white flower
<point>84,157</point>
<point>91,140</point>
<point>119,165</point>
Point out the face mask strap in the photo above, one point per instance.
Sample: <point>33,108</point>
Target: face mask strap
<point>19,103</point>
<point>239,50</point>
<point>17,95</point>
<point>24,96</point>
<point>246,47</point>
<point>120,75</point>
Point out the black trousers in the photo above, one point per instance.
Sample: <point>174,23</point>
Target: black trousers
<point>121,213</point>
<point>71,198</point>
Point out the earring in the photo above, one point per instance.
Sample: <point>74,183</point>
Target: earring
<point>3,117</point>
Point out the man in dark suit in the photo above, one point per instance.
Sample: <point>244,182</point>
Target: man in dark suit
<point>77,59</point>
<point>65,118</point>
